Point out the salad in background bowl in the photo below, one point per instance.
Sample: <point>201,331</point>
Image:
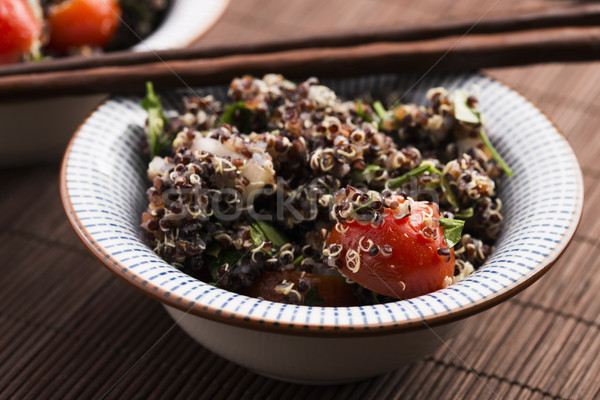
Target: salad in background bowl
<point>33,30</point>
<point>103,186</point>
<point>108,25</point>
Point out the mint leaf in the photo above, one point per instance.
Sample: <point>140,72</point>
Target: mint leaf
<point>312,297</point>
<point>452,230</point>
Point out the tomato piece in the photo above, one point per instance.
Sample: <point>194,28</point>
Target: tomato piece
<point>405,257</point>
<point>19,30</point>
<point>76,23</point>
<point>332,290</point>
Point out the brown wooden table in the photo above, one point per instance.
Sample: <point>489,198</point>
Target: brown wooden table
<point>69,329</point>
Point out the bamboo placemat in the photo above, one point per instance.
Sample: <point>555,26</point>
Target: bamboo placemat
<point>69,329</point>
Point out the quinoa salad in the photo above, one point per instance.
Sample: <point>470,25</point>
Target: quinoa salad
<point>289,193</point>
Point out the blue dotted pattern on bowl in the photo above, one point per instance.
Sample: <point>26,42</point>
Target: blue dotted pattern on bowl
<point>106,183</point>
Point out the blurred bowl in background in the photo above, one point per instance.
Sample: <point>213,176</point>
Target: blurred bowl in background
<point>39,130</point>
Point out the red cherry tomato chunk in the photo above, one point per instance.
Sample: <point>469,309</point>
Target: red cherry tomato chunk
<point>19,29</point>
<point>401,258</point>
<point>332,290</point>
<point>76,23</point>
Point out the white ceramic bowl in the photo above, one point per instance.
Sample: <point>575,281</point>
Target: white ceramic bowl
<point>51,121</point>
<point>103,189</point>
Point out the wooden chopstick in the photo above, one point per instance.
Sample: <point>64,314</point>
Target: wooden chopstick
<point>444,54</point>
<point>572,16</point>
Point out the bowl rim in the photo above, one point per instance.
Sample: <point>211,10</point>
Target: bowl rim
<point>306,329</point>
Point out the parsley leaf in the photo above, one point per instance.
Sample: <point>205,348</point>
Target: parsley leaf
<point>159,142</point>
<point>452,230</point>
<point>312,297</point>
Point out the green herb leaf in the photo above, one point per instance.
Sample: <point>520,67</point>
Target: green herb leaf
<point>375,297</point>
<point>136,7</point>
<point>364,205</point>
<point>380,110</point>
<point>213,268</point>
<point>256,235</point>
<point>421,169</point>
<point>298,260</point>
<point>402,179</point>
<point>230,256</point>
<point>449,192</point>
<point>366,175</point>
<point>239,115</point>
<point>495,154</point>
<point>159,142</point>
<point>464,214</point>
<point>213,250</point>
<point>452,230</point>
<point>264,231</point>
<point>462,111</point>
<point>312,297</point>
<point>36,55</point>
<point>361,112</point>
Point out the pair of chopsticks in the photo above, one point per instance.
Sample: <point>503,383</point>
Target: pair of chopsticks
<point>561,34</point>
